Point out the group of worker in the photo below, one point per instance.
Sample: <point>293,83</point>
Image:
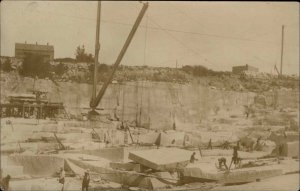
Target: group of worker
<point>222,161</point>
<point>85,180</point>
<point>235,160</point>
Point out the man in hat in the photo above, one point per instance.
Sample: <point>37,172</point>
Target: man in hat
<point>235,159</point>
<point>157,142</point>
<point>86,180</point>
<point>209,146</point>
<point>222,162</point>
<point>193,158</point>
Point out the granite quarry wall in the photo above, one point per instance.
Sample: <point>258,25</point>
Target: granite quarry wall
<point>154,104</point>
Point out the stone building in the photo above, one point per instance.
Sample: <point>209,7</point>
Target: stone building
<point>240,69</point>
<point>23,49</point>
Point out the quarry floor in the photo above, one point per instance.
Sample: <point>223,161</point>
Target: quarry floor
<point>77,134</point>
<point>279,183</point>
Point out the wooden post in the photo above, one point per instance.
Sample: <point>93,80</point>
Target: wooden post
<point>94,103</point>
<point>200,150</point>
<point>97,49</point>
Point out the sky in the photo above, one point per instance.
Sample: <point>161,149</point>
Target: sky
<point>217,35</point>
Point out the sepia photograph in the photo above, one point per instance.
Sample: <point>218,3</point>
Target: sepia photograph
<point>149,95</point>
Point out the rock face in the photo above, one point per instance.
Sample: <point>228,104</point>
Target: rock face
<point>154,104</point>
<point>37,165</point>
<point>162,159</point>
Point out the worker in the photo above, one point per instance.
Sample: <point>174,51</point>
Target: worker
<point>280,152</point>
<point>174,126</point>
<point>86,180</point>
<point>5,182</point>
<point>173,141</point>
<point>222,162</point>
<point>258,145</point>
<point>235,159</point>
<point>61,178</point>
<point>247,114</point>
<point>226,145</point>
<point>193,158</point>
<point>107,138</point>
<point>280,149</point>
<point>246,111</point>
<point>157,142</point>
<point>238,144</point>
<point>235,155</point>
<point>209,146</point>
<point>122,127</point>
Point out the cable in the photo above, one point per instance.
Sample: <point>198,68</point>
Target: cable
<point>196,53</point>
<point>168,31</point>
<point>215,35</point>
<point>176,30</point>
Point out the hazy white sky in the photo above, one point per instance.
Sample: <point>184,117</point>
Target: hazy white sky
<point>218,35</point>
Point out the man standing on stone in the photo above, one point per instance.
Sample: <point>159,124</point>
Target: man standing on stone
<point>157,142</point>
<point>222,162</point>
<point>209,146</point>
<point>235,159</point>
<point>86,180</point>
<point>193,158</point>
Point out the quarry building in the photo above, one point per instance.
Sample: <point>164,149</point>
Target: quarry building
<point>240,69</point>
<point>23,49</point>
<point>31,105</point>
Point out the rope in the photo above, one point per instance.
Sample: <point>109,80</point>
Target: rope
<point>195,52</point>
